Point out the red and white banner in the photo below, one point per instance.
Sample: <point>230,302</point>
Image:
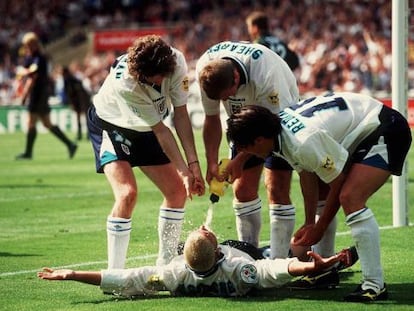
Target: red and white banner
<point>120,40</point>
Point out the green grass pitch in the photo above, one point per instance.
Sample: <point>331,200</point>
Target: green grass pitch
<point>53,213</point>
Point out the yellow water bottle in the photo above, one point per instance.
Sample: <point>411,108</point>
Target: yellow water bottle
<point>217,188</point>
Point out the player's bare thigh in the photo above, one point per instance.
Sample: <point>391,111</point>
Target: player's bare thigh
<point>166,178</point>
<point>246,187</point>
<point>122,180</point>
<point>361,182</point>
<point>277,184</point>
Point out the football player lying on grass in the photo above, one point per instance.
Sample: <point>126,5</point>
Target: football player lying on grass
<point>204,269</point>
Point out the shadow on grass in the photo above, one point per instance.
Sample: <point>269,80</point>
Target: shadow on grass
<point>35,184</point>
<point>112,298</point>
<point>7,254</point>
<point>400,294</point>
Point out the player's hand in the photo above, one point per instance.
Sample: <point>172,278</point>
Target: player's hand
<point>212,172</point>
<point>50,274</point>
<point>198,186</point>
<point>307,235</point>
<point>188,181</point>
<point>323,263</point>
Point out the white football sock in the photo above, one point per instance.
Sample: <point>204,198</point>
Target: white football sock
<point>365,232</point>
<point>248,220</point>
<point>170,221</point>
<point>282,223</point>
<point>326,246</point>
<point>118,232</point>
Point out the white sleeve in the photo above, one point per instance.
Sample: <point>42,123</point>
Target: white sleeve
<point>132,282</point>
<point>321,154</point>
<point>179,82</point>
<point>273,272</point>
<point>275,83</point>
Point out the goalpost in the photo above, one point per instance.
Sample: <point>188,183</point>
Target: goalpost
<point>399,101</point>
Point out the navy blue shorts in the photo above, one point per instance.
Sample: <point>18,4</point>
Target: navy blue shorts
<point>112,143</point>
<point>271,162</point>
<point>388,145</point>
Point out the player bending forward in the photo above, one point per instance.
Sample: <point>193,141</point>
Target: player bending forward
<point>351,142</point>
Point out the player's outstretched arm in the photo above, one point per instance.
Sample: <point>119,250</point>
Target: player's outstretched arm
<point>298,268</point>
<point>89,277</point>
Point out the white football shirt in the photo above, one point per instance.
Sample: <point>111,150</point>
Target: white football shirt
<point>236,274</point>
<point>269,80</point>
<point>320,132</point>
<point>127,103</point>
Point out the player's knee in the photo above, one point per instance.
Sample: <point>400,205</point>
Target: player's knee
<point>277,194</point>
<point>176,196</point>
<point>127,195</point>
<point>181,196</point>
<point>245,194</point>
<point>278,191</point>
<point>350,200</point>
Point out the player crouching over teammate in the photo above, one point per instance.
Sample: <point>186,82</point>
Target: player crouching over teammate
<point>205,269</point>
<point>351,142</point>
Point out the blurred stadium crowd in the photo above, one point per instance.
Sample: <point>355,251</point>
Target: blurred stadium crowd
<point>342,45</point>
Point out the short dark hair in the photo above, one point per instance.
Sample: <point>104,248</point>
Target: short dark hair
<point>217,76</point>
<point>150,56</point>
<point>259,19</point>
<point>250,123</point>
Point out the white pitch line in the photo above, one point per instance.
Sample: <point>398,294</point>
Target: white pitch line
<point>53,196</point>
<point>349,232</point>
<point>84,264</point>
<point>91,263</point>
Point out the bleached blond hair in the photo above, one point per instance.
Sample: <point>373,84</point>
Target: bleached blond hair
<point>199,252</point>
<point>31,39</point>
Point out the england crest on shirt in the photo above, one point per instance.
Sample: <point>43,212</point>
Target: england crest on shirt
<point>162,107</point>
<point>248,274</point>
